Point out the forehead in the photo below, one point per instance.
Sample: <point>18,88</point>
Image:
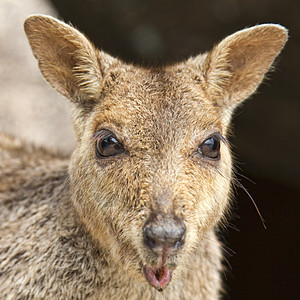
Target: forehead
<point>164,100</point>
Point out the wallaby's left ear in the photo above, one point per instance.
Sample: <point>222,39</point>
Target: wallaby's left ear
<point>236,66</point>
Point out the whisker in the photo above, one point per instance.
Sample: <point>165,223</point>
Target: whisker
<point>236,181</point>
<point>228,250</point>
<point>228,264</point>
<point>245,177</point>
<point>233,226</point>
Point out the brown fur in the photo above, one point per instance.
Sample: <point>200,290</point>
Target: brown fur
<point>73,230</point>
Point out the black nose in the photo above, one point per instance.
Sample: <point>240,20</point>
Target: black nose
<point>164,232</point>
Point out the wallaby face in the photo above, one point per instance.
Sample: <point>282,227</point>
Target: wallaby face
<point>151,173</point>
<point>155,167</point>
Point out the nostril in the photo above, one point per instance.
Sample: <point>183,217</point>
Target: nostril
<point>153,235</point>
<point>149,241</point>
<point>180,242</point>
<point>179,237</point>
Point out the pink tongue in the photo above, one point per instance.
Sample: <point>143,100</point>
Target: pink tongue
<point>158,278</point>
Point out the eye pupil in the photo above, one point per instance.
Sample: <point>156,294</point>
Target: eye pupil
<point>107,145</point>
<point>212,144</point>
<point>211,147</point>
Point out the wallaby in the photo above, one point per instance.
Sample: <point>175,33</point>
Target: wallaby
<point>133,214</point>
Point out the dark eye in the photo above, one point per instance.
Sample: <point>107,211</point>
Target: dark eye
<point>211,147</point>
<point>107,145</point>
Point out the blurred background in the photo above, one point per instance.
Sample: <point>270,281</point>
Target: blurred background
<point>262,264</point>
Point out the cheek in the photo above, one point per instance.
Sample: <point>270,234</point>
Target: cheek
<point>110,194</point>
<point>90,192</point>
<point>220,189</point>
<point>208,198</point>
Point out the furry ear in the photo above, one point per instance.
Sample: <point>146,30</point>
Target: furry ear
<point>67,59</point>
<point>236,66</point>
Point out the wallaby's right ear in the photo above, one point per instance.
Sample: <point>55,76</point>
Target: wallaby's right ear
<point>67,59</point>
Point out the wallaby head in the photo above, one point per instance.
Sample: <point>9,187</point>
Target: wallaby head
<point>151,173</point>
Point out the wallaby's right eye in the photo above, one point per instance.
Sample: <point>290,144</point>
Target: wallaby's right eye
<point>107,144</point>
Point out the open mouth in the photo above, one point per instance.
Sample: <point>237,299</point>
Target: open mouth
<point>159,278</point>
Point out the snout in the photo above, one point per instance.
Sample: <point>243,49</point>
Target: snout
<point>163,234</point>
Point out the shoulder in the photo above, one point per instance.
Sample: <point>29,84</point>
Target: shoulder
<point>29,174</point>
<point>18,149</point>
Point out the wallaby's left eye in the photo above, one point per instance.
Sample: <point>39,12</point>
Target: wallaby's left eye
<point>107,144</point>
<point>211,147</point>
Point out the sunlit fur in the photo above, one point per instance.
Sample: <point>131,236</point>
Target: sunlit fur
<point>73,230</point>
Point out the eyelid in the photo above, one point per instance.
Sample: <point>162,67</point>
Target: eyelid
<point>221,138</point>
<point>217,135</point>
<point>103,132</point>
